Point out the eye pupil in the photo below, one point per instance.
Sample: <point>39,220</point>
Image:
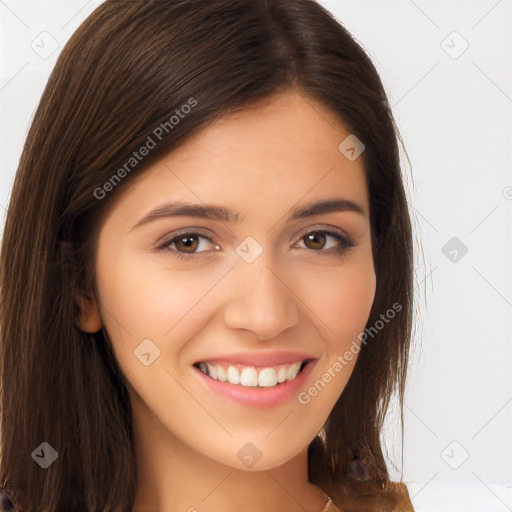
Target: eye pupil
<point>318,240</point>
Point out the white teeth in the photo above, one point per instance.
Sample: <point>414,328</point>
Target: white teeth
<point>212,370</point>
<point>221,374</point>
<point>267,377</point>
<point>292,372</point>
<point>233,375</point>
<point>249,376</point>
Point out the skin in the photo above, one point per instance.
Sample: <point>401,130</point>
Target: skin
<point>298,295</point>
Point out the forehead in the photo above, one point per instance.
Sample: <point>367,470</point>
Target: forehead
<point>289,127</point>
<point>283,150</point>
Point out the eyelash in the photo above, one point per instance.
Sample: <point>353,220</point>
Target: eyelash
<point>345,244</point>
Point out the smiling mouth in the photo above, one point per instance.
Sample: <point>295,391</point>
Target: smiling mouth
<point>252,376</point>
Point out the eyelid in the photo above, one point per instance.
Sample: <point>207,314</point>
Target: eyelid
<point>322,227</point>
<point>169,237</point>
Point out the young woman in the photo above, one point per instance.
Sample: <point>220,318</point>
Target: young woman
<point>206,268</point>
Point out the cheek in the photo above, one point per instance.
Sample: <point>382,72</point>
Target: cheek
<point>343,299</point>
<point>140,300</point>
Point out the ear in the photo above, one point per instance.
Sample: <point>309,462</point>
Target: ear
<point>89,319</point>
<point>85,310</point>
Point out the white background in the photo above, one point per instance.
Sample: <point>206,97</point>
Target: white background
<point>453,108</point>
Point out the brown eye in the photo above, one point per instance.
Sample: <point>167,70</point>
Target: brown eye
<point>315,240</point>
<point>327,242</point>
<point>187,243</point>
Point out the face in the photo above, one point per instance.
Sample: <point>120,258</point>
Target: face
<point>248,247</point>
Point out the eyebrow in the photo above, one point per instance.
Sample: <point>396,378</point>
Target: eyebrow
<point>220,213</point>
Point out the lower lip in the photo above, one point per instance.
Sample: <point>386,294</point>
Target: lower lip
<point>259,397</point>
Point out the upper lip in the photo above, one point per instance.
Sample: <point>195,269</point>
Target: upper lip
<point>260,358</point>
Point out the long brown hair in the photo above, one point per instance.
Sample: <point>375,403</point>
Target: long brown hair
<point>125,72</point>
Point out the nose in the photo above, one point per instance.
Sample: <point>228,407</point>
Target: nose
<point>261,301</point>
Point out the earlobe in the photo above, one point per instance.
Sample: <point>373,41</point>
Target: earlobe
<point>89,319</point>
